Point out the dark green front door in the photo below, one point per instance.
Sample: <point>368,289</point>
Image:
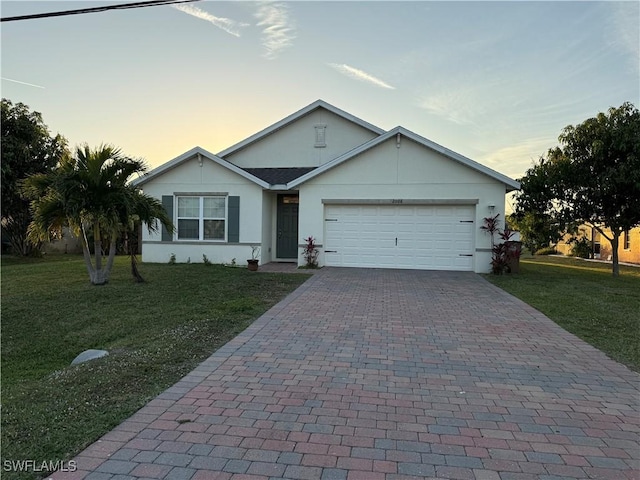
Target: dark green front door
<point>287,242</point>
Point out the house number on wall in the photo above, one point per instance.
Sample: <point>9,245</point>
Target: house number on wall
<point>396,200</point>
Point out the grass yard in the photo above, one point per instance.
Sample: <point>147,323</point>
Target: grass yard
<point>156,332</point>
<point>585,299</point>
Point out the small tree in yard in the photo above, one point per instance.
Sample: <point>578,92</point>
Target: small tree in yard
<point>593,177</point>
<point>90,193</point>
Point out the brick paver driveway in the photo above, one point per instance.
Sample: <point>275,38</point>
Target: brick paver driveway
<point>379,374</point>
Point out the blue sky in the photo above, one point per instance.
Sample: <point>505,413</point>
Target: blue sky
<point>495,81</point>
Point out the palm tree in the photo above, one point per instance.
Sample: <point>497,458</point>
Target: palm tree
<point>90,194</point>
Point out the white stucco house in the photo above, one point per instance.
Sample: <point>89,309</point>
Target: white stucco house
<point>370,198</point>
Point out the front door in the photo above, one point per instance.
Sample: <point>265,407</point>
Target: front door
<point>287,213</point>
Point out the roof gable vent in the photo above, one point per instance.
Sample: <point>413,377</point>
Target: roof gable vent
<point>321,135</point>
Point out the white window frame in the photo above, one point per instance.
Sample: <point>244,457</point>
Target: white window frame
<point>201,218</point>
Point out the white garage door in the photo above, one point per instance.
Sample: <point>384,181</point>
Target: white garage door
<point>427,237</point>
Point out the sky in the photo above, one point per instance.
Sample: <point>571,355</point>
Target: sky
<point>494,81</point>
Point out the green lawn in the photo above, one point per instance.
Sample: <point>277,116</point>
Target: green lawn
<point>585,299</point>
<point>156,332</point>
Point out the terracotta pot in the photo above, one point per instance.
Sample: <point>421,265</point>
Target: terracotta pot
<point>252,265</point>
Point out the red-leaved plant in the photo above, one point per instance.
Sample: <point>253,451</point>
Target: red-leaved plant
<point>492,226</point>
<point>504,253</point>
<point>310,252</point>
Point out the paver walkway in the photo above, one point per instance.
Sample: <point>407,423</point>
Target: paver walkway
<point>387,375</point>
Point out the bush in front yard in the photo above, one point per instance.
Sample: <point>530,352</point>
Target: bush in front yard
<point>581,248</point>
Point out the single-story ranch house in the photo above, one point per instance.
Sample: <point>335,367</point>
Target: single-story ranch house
<point>370,198</point>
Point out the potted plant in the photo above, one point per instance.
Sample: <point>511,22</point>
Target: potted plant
<point>252,263</point>
<point>512,251</point>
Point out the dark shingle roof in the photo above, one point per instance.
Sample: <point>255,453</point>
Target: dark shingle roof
<point>278,176</point>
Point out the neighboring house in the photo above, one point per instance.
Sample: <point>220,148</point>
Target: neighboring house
<point>628,246</point>
<point>370,198</point>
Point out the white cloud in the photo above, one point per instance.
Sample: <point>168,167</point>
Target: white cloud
<point>513,160</point>
<point>230,26</point>
<point>623,32</point>
<point>279,28</point>
<point>360,75</point>
<point>460,105</point>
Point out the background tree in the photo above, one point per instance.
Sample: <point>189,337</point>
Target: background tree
<point>536,230</point>
<point>90,193</point>
<point>593,177</point>
<point>26,148</point>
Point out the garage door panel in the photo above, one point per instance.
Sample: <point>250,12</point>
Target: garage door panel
<point>462,229</point>
<point>365,226</point>
<point>386,260</point>
<point>387,228</point>
<point>351,211</point>
<point>445,211</point>
<point>459,247</point>
<point>417,243</point>
<point>404,228</point>
<point>425,212</point>
<point>386,216</point>
<point>405,211</point>
<point>400,236</point>
<point>463,263</point>
<point>445,238</point>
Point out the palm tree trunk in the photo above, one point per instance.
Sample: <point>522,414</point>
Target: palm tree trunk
<point>97,246</point>
<point>87,256</point>
<point>87,261</point>
<point>100,275</point>
<point>112,256</point>
<point>132,244</point>
<point>134,268</point>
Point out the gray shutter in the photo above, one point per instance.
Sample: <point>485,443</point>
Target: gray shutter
<point>167,203</point>
<point>233,227</point>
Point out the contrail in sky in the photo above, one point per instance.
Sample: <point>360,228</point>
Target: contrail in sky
<point>360,75</point>
<point>230,26</point>
<point>22,83</point>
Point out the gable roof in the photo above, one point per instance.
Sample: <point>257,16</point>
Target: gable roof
<point>292,177</point>
<point>509,182</point>
<point>204,155</point>
<point>280,175</point>
<point>295,116</point>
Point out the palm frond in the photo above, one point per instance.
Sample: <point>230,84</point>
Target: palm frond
<point>91,192</point>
